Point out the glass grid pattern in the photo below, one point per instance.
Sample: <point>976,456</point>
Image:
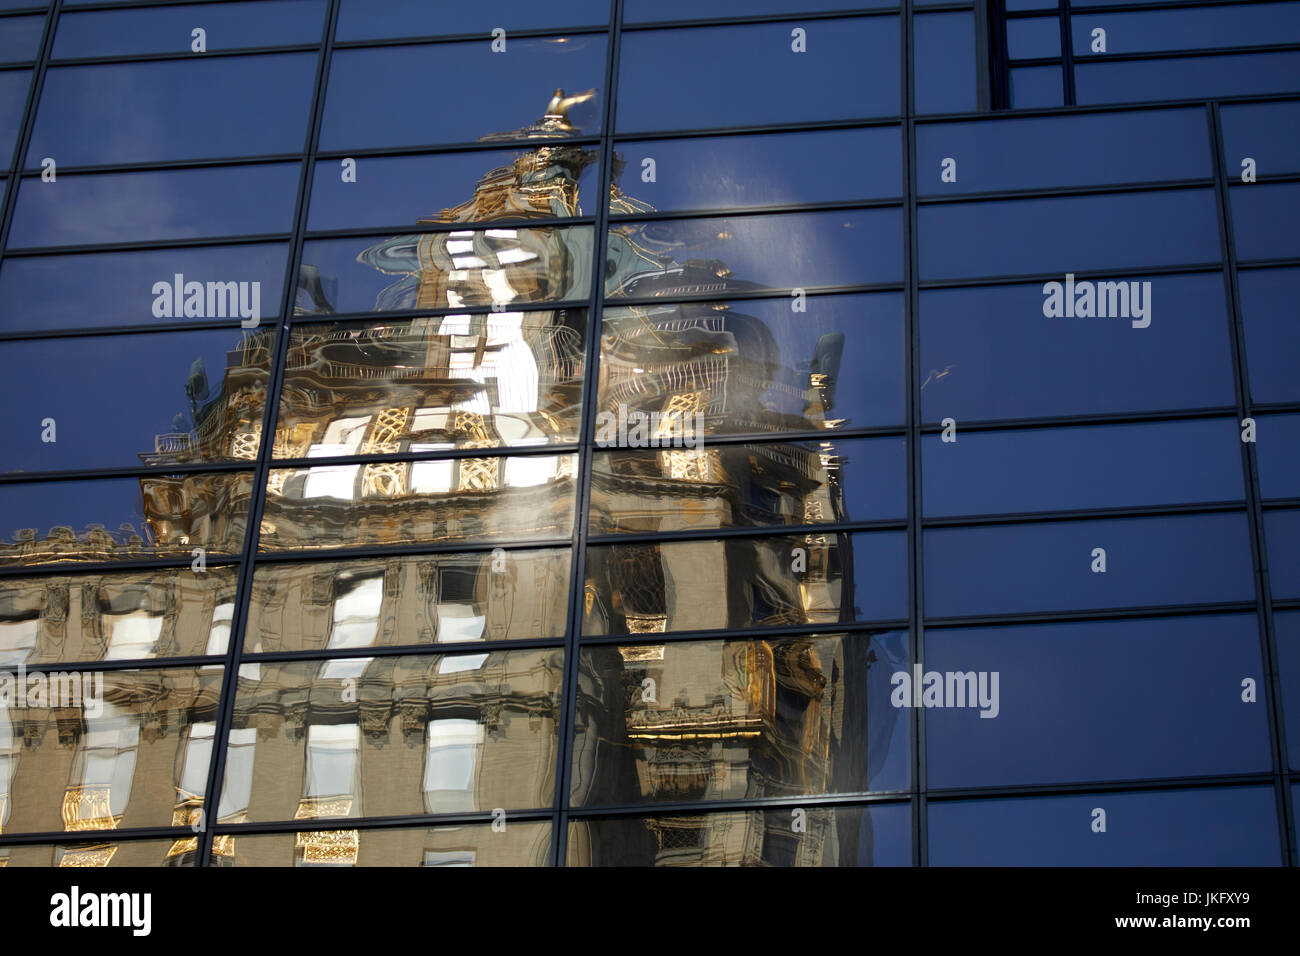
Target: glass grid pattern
<point>914,797</point>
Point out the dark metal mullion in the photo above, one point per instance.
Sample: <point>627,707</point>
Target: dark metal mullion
<point>1254,495</point>
<point>915,603</point>
<point>1067,53</point>
<point>566,729</point>
<point>244,596</point>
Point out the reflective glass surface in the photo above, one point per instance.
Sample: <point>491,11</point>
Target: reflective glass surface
<point>1263,214</point>
<point>427,599</point>
<point>1272,336</point>
<point>764,366</point>
<point>875,835</point>
<point>1186,78</point>
<point>137,757</point>
<point>1065,713</point>
<point>717,720</point>
<point>499,379</point>
<point>13,97</point>
<point>387,736</point>
<point>1222,826</point>
<point>1032,38</point>
<point>1036,87</point>
<point>121,519</point>
<point>682,488</point>
<point>706,584</point>
<point>411,502</point>
<point>1282,532</point>
<point>944,62</point>
<point>117,616</point>
<point>685,257</point>
<point>1287,628</point>
<point>378,19</point>
<point>1019,568</point>
<point>1146,31</point>
<point>522,843</point>
<point>1279,456</point>
<point>20,39</point>
<point>99,853</point>
<point>133,399</point>
<point>643,11</point>
<point>1268,133</point>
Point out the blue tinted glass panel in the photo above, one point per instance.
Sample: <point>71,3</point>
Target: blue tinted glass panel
<point>1268,133</point>
<point>990,353</point>
<point>1052,151</point>
<point>123,519</point>
<point>118,288</point>
<point>1186,78</point>
<point>448,269</point>
<point>509,92</point>
<point>794,250</point>
<point>1277,445</point>
<point>20,38</point>
<point>226,26</point>
<point>1272,334</point>
<point>400,190</point>
<point>1064,713</point>
<point>724,172</point>
<point>1068,235</point>
<point>650,11</point>
<point>1032,4</point>
<point>1148,31</point>
<point>1223,826</point>
<point>1287,629</point>
<point>168,204</point>
<point>175,109</point>
<point>945,63</point>
<point>1264,219</point>
<point>1037,87</point>
<point>377,19</point>
<point>1033,38</point>
<point>123,400</point>
<point>1048,567</point>
<point>1282,532</point>
<point>749,75</point>
<point>838,364</point>
<point>1102,466</point>
<point>13,97</point>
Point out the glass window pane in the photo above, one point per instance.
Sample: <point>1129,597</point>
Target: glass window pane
<point>684,488</point>
<point>509,92</point>
<point>874,835</point>
<point>13,99</point>
<point>523,843</point>
<point>1037,87</point>
<point>1096,466</point>
<point>501,379</point>
<point>126,400</point>
<point>725,172</point>
<point>142,288</point>
<point>1066,714</point>
<point>1148,31</point>
<point>744,582</point>
<point>116,763</point>
<point>313,753</point>
<point>1032,4</point>
<point>1263,220</point>
<point>1028,236</point>
<point>1282,532</point>
<point>174,109</point>
<point>1272,335</point>
<point>945,62</point>
<point>1225,826</point>
<point>1287,626</point>
<point>1278,451</point>
<point>1026,568</point>
<point>430,599</point>
<point>454,187</point>
<point>454,499</point>
<point>433,270</point>
<point>1044,152</point>
<point>754,76</point>
<point>21,38</point>
<point>765,368</point>
<point>168,204</point>
<point>1186,78</point>
<point>121,519</point>
<point>226,26</point>
<point>829,729</point>
<point>380,19</point>
<point>1268,133</point>
<point>989,352</point>
<point>649,11</point>
<point>1034,37</point>
<point>123,615</point>
<point>101,853</point>
<point>793,250</point>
